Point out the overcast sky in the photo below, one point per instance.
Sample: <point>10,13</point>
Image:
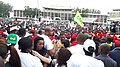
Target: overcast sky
<point>103,5</point>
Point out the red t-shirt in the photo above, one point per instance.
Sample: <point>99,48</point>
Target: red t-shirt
<point>73,43</point>
<point>114,38</point>
<point>117,43</point>
<point>74,36</point>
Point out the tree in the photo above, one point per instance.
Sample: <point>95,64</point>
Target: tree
<point>31,12</point>
<point>5,9</point>
<point>84,13</point>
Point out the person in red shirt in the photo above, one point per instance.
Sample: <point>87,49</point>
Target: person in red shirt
<point>73,40</point>
<point>117,43</point>
<point>114,37</point>
<point>109,36</point>
<point>100,35</point>
<point>34,34</point>
<point>67,35</point>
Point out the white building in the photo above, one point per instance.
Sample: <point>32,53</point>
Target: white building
<point>114,15</point>
<point>59,13</point>
<point>17,14</point>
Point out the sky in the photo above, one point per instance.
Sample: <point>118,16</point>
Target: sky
<point>103,5</point>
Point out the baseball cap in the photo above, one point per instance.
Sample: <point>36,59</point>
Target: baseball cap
<point>87,35</point>
<point>32,31</point>
<point>12,39</point>
<point>14,28</point>
<point>89,43</point>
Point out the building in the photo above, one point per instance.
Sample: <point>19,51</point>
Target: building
<point>114,15</point>
<point>17,14</point>
<point>100,17</point>
<point>60,13</point>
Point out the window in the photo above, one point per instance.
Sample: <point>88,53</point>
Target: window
<point>18,13</point>
<point>21,13</point>
<point>14,12</point>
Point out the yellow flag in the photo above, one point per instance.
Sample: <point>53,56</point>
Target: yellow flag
<point>78,19</point>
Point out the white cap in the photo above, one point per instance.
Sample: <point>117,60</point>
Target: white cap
<point>15,27</point>
<point>89,43</point>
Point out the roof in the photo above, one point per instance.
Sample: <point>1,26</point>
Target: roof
<point>58,7</point>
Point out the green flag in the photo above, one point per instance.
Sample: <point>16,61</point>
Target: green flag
<point>78,19</point>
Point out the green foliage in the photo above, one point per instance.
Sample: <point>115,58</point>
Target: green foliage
<point>5,9</point>
<point>84,11</point>
<point>31,12</point>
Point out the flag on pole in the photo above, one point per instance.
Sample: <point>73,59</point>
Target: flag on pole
<point>78,19</point>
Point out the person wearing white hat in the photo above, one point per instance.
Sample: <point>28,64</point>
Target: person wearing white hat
<point>89,47</point>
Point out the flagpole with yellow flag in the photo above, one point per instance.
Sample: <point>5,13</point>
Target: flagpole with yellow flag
<point>78,19</point>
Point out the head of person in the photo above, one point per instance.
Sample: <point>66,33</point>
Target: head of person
<point>22,32</point>
<point>52,33</point>
<point>14,31</point>
<point>14,59</point>
<point>38,43</point>
<point>81,39</point>
<point>89,47</point>
<point>25,44</point>
<point>3,51</point>
<point>104,49</point>
<point>62,37</point>
<point>66,43</point>
<point>32,31</point>
<point>63,56</point>
<point>103,40</point>
<point>40,32</point>
<point>2,41</point>
<point>48,31</point>
<point>87,36</point>
<point>109,40</point>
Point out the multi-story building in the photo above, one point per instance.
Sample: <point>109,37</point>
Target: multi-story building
<point>57,12</point>
<point>114,15</point>
<point>17,14</point>
<point>62,13</point>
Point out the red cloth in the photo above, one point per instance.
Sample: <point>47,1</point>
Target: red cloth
<point>91,35</point>
<point>109,36</point>
<point>117,43</point>
<point>114,38</point>
<point>32,31</point>
<point>1,32</point>
<point>100,35</point>
<point>4,39</point>
<point>85,31</point>
<point>74,36</point>
<point>34,36</point>
<point>73,43</point>
<point>52,37</point>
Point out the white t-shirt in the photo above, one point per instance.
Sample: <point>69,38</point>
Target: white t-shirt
<point>78,60</point>
<point>48,43</point>
<point>77,49</point>
<point>28,60</point>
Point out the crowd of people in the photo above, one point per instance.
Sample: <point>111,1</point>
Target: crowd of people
<point>57,45</point>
